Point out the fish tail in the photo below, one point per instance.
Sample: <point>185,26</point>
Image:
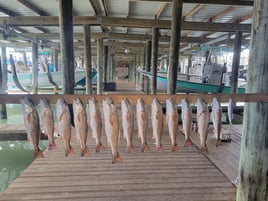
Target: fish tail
<point>175,148</point>
<point>38,154</point>
<point>52,146</point>
<point>99,148</point>
<point>218,142</point>
<point>160,149</point>
<point>69,152</point>
<point>145,147</point>
<point>131,149</point>
<point>85,152</point>
<point>204,150</point>
<point>117,159</point>
<point>188,143</point>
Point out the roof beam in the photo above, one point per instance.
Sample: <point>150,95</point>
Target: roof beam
<point>193,11</point>
<point>124,22</point>
<point>223,13</point>
<point>224,2</point>
<point>32,7</point>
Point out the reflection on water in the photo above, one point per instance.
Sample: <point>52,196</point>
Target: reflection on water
<point>15,156</point>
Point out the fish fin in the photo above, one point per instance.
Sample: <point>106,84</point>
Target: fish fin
<point>117,159</point>
<point>160,149</point>
<point>218,142</point>
<point>38,154</point>
<point>204,150</point>
<point>69,152</point>
<point>145,147</point>
<point>111,122</point>
<point>130,149</point>
<point>52,146</point>
<point>175,148</point>
<point>188,143</point>
<point>85,152</point>
<point>99,148</point>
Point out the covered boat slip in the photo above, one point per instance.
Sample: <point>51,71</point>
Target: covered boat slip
<point>185,175</point>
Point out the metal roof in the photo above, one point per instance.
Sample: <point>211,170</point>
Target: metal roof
<point>237,12</point>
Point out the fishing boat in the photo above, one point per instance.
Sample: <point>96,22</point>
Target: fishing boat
<point>185,86</point>
<point>26,79</point>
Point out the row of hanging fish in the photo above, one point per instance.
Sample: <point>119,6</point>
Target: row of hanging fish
<point>91,119</point>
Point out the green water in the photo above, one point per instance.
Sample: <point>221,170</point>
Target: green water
<point>15,156</point>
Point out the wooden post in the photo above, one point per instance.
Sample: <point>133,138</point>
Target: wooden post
<point>3,110</point>
<point>253,168</point>
<point>24,58</point>
<point>106,63</point>
<point>148,63</point>
<point>236,60</point>
<point>99,65</point>
<point>189,66</point>
<point>55,59</point>
<point>87,56</point>
<point>154,60</point>
<point>66,37</point>
<point>174,45</point>
<point>35,67</point>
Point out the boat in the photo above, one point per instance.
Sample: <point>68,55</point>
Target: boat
<point>185,86</point>
<point>26,79</point>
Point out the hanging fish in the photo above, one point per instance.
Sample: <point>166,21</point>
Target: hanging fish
<point>128,123</point>
<point>111,128</point>
<point>172,122</point>
<point>64,125</point>
<point>186,116</point>
<point>157,124</point>
<point>94,122</point>
<point>32,125</point>
<point>202,123</point>
<point>81,127</point>
<point>216,119</point>
<point>48,122</point>
<point>142,123</point>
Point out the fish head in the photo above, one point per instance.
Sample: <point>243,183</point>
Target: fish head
<point>77,105</point>
<point>216,104</point>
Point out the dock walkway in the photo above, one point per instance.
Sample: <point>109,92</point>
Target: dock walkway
<point>186,175</point>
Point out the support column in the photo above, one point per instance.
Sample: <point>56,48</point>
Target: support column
<point>35,67</point>
<point>67,52</point>
<point>189,66</point>
<point>56,59</point>
<point>236,60</point>
<point>253,168</point>
<point>106,63</point>
<point>99,65</point>
<point>154,60</point>
<point>87,56</point>
<point>3,111</point>
<point>174,45</point>
<point>24,58</point>
<point>148,56</point>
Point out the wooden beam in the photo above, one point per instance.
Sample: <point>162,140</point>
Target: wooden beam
<point>32,7</point>
<point>67,54</point>
<point>87,57</point>
<point>155,41</point>
<point>193,11</point>
<point>174,45</point>
<point>236,60</point>
<point>52,98</point>
<point>126,22</point>
<point>224,2</point>
<point>223,13</point>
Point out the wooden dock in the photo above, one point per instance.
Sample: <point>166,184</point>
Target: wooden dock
<point>185,175</point>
